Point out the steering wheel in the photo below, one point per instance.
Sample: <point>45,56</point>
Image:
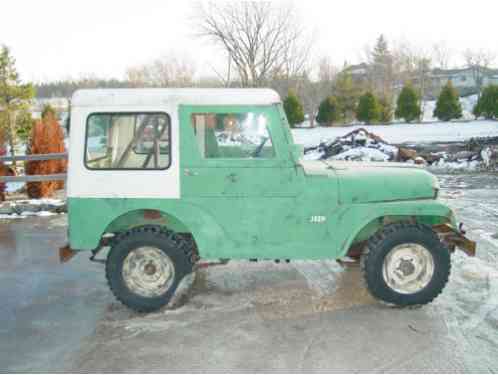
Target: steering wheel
<point>257,151</point>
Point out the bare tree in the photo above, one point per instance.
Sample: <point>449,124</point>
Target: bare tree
<point>261,38</point>
<point>442,55</point>
<point>478,61</point>
<point>168,71</point>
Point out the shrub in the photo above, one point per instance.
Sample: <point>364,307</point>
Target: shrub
<point>448,105</point>
<point>369,109</point>
<point>293,109</point>
<point>329,111</point>
<point>46,137</point>
<point>386,110</point>
<point>487,105</point>
<point>408,104</point>
<point>3,167</point>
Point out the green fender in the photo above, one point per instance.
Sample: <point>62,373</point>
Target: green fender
<point>114,215</point>
<point>369,218</point>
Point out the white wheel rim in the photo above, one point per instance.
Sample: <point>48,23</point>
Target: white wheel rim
<point>148,271</point>
<point>408,268</point>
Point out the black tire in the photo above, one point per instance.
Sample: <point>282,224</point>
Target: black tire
<point>168,242</point>
<point>379,246</point>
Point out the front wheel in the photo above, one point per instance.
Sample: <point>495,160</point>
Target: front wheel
<point>145,266</point>
<point>406,264</point>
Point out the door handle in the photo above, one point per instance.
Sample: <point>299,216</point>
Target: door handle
<point>232,177</point>
<point>188,172</point>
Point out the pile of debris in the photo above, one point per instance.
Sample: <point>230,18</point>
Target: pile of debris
<point>32,207</point>
<point>362,145</point>
<point>358,145</point>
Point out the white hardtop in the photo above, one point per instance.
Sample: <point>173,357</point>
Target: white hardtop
<point>160,97</point>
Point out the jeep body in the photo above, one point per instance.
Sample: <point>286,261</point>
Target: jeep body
<point>220,166</point>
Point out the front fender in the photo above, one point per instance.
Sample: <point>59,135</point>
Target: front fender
<point>368,218</point>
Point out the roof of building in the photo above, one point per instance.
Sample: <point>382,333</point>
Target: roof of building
<point>155,97</point>
<point>445,72</point>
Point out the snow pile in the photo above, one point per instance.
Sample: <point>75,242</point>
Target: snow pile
<point>32,207</point>
<point>358,145</point>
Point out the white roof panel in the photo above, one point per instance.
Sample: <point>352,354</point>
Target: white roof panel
<point>152,97</point>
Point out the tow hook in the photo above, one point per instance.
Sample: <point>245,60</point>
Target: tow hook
<point>456,238</point>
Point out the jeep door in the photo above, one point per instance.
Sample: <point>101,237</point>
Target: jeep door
<point>235,164</point>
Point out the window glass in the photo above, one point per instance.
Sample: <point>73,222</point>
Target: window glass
<point>233,135</point>
<point>128,141</point>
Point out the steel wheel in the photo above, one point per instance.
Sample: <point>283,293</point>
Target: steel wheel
<point>148,271</point>
<point>408,268</point>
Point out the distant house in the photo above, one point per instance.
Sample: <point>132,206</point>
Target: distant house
<point>465,80</point>
<point>358,72</point>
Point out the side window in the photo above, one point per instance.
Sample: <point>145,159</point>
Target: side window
<point>128,141</point>
<point>233,135</point>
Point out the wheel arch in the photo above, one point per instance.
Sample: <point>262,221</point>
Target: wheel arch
<point>201,226</point>
<point>433,214</point>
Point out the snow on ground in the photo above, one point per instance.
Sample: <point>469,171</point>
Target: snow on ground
<point>468,103</point>
<point>404,133</point>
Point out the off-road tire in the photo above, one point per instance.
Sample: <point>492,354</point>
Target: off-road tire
<point>177,249</point>
<point>387,238</point>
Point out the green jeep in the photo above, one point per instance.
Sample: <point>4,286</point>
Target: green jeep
<point>169,177</point>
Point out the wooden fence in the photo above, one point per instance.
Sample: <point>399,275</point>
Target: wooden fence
<point>37,177</point>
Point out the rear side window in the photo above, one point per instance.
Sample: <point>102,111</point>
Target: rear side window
<point>233,135</point>
<point>128,141</point>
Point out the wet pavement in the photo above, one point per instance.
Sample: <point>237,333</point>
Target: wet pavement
<point>310,316</point>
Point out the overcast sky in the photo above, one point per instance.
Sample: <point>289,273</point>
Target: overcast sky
<point>56,39</point>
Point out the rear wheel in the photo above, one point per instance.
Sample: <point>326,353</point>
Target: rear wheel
<point>145,266</point>
<point>406,264</point>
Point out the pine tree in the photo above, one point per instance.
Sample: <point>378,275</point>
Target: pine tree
<point>368,109</point>
<point>448,105</point>
<point>487,105</point>
<point>381,68</point>
<point>408,104</point>
<point>328,111</point>
<point>386,110</point>
<point>293,109</point>
<point>347,94</point>
<point>47,137</point>
<point>14,99</point>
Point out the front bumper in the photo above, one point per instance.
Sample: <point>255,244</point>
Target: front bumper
<point>455,238</point>
<point>66,253</point>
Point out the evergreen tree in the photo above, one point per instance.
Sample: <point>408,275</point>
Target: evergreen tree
<point>293,109</point>
<point>381,68</point>
<point>14,99</point>
<point>346,93</point>
<point>328,111</point>
<point>386,110</point>
<point>368,109</point>
<point>448,105</point>
<point>408,104</point>
<point>487,105</point>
